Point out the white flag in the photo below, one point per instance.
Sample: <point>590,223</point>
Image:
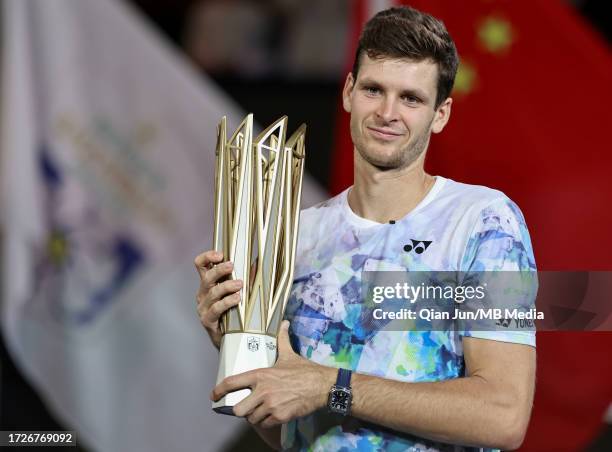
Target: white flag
<point>107,176</point>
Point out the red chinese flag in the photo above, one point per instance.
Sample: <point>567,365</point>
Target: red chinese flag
<point>530,117</point>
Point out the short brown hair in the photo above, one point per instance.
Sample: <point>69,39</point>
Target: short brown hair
<point>404,32</point>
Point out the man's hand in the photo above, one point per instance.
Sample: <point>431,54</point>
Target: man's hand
<point>214,298</point>
<point>293,388</point>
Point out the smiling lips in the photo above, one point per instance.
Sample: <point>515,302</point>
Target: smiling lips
<point>384,134</point>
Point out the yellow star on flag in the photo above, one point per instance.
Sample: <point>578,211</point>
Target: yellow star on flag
<point>496,34</point>
<point>465,80</point>
<point>57,248</point>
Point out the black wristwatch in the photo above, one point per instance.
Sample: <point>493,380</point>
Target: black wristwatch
<point>340,395</point>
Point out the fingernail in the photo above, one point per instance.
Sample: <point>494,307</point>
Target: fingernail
<point>238,283</point>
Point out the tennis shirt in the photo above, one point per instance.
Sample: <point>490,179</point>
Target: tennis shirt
<point>456,227</point>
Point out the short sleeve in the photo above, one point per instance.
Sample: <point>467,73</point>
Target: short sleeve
<point>499,241</point>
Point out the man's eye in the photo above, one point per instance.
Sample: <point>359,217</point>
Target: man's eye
<point>372,90</point>
<point>411,99</point>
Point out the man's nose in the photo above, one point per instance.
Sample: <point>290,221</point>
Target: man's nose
<point>387,109</point>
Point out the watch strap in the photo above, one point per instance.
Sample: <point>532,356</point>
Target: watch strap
<point>344,378</point>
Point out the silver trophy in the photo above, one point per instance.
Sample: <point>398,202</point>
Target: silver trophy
<point>258,184</point>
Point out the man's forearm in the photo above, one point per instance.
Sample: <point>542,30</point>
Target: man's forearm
<point>467,411</point>
<point>489,407</point>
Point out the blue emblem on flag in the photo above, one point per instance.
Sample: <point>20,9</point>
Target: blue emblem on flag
<point>85,264</point>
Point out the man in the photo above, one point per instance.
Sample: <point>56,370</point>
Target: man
<point>408,390</point>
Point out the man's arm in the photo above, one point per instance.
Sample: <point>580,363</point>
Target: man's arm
<point>489,407</point>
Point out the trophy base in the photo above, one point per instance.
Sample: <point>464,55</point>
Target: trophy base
<point>241,352</point>
<point>229,410</point>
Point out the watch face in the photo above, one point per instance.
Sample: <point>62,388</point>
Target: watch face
<point>339,400</point>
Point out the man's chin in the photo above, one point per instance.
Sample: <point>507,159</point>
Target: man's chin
<point>384,164</point>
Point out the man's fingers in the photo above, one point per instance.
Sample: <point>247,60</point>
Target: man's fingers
<point>233,383</point>
<point>218,300</point>
<point>218,308</point>
<point>202,261</point>
<point>269,422</point>
<point>283,341</point>
<point>225,288</point>
<point>247,405</point>
<point>212,276</point>
<point>258,414</point>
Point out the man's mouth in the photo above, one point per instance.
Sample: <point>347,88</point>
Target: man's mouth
<point>384,133</point>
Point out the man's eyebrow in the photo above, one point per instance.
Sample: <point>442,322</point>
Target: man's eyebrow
<point>415,92</point>
<point>405,92</point>
<point>368,81</point>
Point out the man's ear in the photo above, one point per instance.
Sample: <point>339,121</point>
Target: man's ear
<point>442,115</point>
<point>347,92</point>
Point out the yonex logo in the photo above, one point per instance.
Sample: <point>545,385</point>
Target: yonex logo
<point>417,245</point>
<point>503,322</point>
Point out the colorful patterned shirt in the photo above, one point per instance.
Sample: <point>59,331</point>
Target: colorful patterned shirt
<point>456,227</point>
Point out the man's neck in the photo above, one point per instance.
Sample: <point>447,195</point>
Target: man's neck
<point>383,196</point>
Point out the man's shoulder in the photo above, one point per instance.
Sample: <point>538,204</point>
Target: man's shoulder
<point>471,205</point>
<point>324,207</point>
<point>471,194</point>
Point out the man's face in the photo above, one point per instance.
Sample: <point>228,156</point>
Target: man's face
<point>392,110</point>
